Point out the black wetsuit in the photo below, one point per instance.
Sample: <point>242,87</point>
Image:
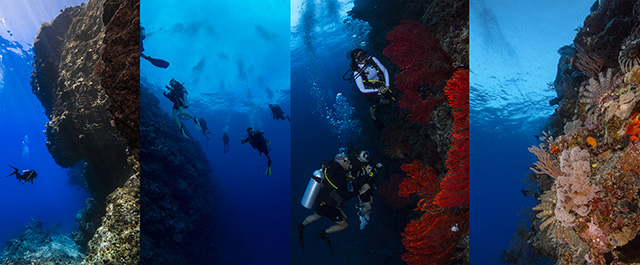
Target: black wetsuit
<point>277,113</point>
<point>27,175</point>
<point>359,172</point>
<point>225,139</point>
<point>176,95</point>
<point>205,128</point>
<point>333,193</point>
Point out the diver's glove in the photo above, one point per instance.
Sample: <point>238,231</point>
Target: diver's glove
<point>383,89</point>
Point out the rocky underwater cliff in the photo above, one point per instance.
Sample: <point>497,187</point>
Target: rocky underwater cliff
<point>86,76</point>
<point>177,191</point>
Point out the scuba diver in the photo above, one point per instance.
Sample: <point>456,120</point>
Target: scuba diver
<point>277,112</point>
<point>330,199</point>
<point>364,182</point>
<point>26,175</point>
<point>225,139</point>
<point>205,129</point>
<point>156,62</point>
<point>257,141</point>
<point>178,95</point>
<point>372,79</point>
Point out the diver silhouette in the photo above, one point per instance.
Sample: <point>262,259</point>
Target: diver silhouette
<point>156,62</point>
<point>257,141</point>
<point>277,113</point>
<point>26,175</point>
<point>205,129</point>
<point>225,139</point>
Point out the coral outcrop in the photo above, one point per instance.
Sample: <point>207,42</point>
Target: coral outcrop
<point>38,246</point>
<point>64,79</point>
<point>86,77</point>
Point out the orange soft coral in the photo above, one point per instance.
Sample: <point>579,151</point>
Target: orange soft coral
<point>633,128</point>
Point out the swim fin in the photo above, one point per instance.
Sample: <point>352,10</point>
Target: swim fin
<point>325,237</point>
<point>198,127</point>
<point>301,235</point>
<point>268,172</point>
<point>156,62</point>
<point>184,133</point>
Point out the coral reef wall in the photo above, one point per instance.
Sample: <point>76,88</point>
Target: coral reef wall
<point>65,81</point>
<point>589,184</point>
<point>176,191</point>
<point>424,43</point>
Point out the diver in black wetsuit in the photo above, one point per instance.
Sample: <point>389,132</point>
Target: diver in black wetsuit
<point>277,113</point>
<point>26,175</point>
<point>331,198</point>
<point>205,129</point>
<point>178,95</point>
<point>225,139</point>
<point>257,141</point>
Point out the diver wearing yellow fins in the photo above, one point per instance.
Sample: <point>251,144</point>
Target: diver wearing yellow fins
<point>257,141</point>
<point>26,175</point>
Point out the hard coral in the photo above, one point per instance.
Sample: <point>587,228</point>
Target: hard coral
<point>455,185</point>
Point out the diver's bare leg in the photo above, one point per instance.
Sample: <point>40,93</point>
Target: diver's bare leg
<point>175,117</point>
<point>311,218</point>
<point>339,226</point>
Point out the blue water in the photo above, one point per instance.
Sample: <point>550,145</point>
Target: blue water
<point>513,56</point>
<point>22,123</point>
<point>234,61</point>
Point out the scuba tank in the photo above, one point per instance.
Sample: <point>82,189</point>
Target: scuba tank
<point>313,188</point>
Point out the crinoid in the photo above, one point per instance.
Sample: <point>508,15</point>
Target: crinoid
<point>546,206</point>
<point>598,92</point>
<point>629,55</point>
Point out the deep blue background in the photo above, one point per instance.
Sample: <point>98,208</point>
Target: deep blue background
<point>49,199</point>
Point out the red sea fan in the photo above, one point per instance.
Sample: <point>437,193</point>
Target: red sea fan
<point>422,181</point>
<point>429,239</point>
<point>419,54</point>
<point>455,185</point>
<point>420,109</point>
